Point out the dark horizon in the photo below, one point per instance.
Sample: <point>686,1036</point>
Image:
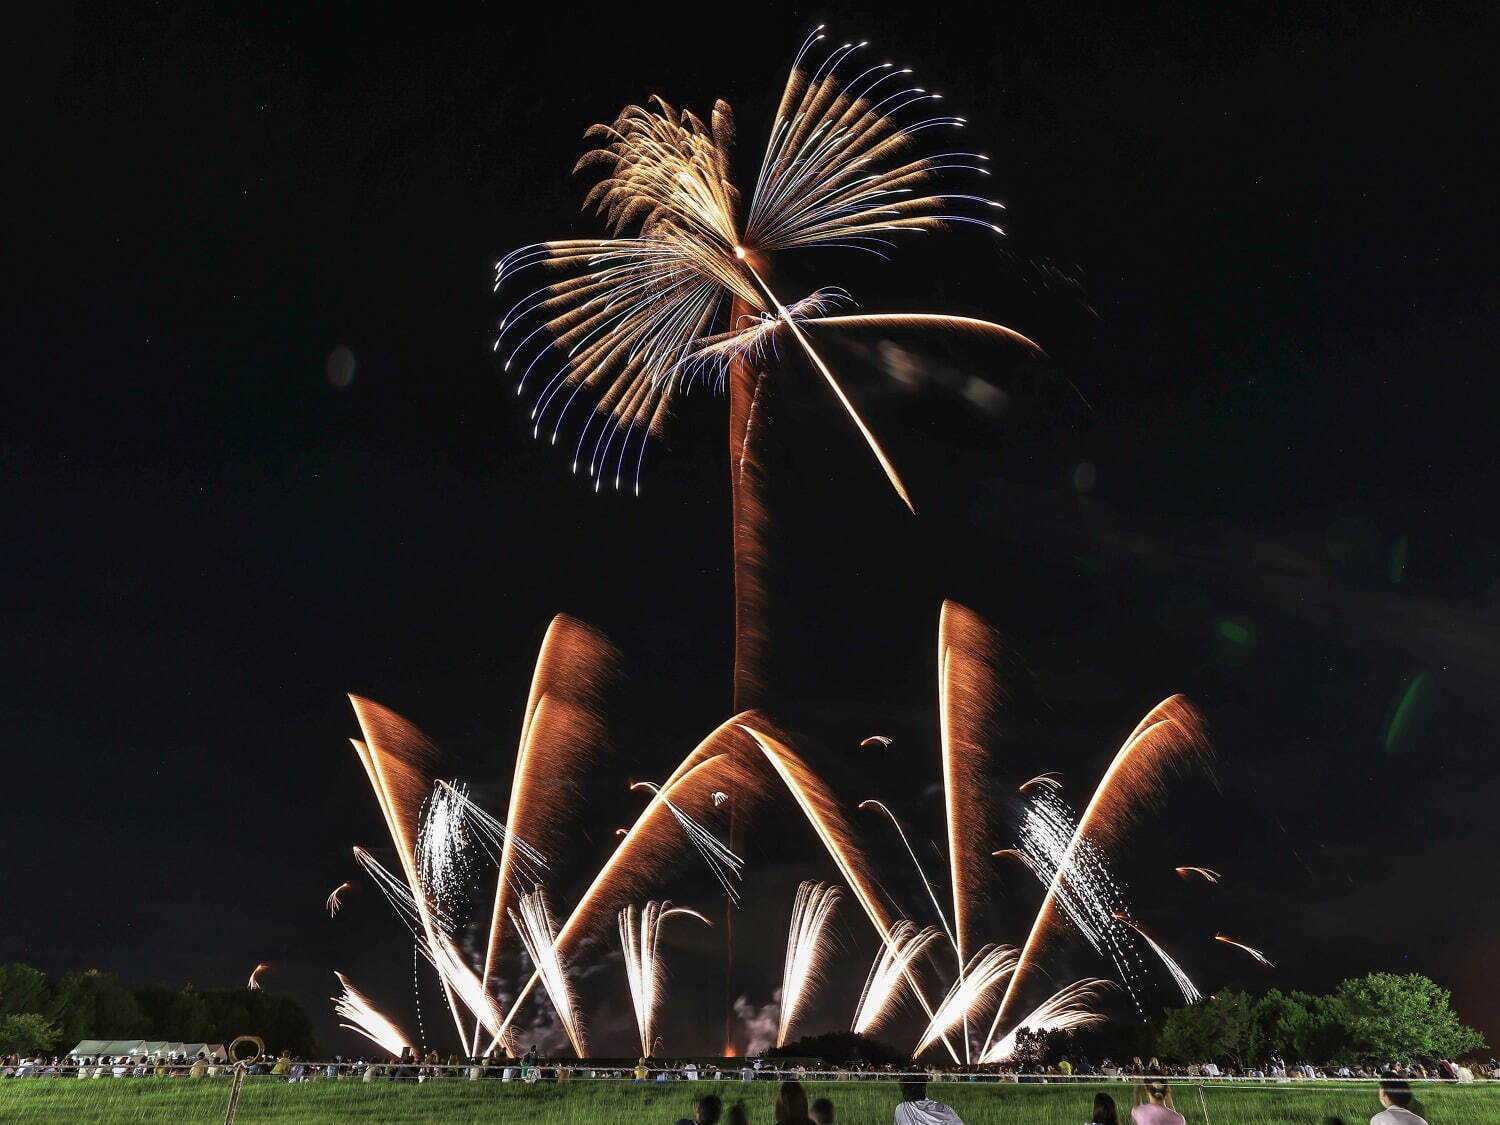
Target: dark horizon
<point>1256,469</point>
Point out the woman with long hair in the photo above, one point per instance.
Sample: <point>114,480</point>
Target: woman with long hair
<point>1154,1105</point>
<point>791,1105</point>
<point>1105,1112</point>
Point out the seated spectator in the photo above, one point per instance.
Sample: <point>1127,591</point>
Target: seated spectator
<point>738,1115</point>
<point>822,1112</point>
<point>1395,1095</point>
<point>1155,1105</point>
<point>917,1108</point>
<point>707,1112</point>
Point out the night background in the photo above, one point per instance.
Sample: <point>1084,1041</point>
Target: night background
<point>1257,468</point>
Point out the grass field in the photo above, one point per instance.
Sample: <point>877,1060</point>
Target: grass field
<point>184,1101</point>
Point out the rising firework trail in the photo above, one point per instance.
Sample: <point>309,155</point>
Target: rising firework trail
<point>1255,953</point>
<point>1168,737</point>
<point>333,903</point>
<point>364,1019</point>
<point>882,992</point>
<point>807,946</point>
<point>640,930</point>
<point>968,696</point>
<point>1190,993</point>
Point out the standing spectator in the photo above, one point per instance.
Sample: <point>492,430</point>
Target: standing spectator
<point>1395,1095</point>
<point>791,1105</point>
<point>917,1108</point>
<point>1155,1105</point>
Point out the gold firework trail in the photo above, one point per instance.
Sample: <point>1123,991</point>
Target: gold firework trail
<point>1189,990</point>
<point>1250,949</point>
<point>254,982</point>
<point>1205,873</point>
<point>898,954</point>
<point>365,1019</point>
<point>980,977</point>
<point>807,943</point>
<point>1066,1010</point>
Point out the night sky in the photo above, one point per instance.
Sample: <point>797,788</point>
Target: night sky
<point>1260,246</point>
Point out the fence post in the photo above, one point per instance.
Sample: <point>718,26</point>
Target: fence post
<point>234,1093</point>
<point>1203,1101</point>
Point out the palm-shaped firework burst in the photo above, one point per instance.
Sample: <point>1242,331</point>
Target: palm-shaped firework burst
<point>680,290</point>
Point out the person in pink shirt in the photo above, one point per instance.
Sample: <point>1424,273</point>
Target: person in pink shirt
<point>1156,1109</point>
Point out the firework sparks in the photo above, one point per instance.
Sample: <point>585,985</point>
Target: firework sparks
<point>333,903</point>
<point>254,982</point>
<point>876,740</point>
<point>1048,780</point>
<point>807,942</point>
<point>1066,1010</point>
<point>721,861</point>
<point>539,935</point>
<point>893,964</point>
<point>980,977</point>
<point>364,1019</point>
<point>1190,993</point>
<point>1255,953</point>
<point>559,733</point>
<point>1170,735</point>
<point>640,930</point>
<point>1204,873</point>
<point>633,316</point>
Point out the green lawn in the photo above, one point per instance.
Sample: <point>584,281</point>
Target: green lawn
<point>184,1101</point>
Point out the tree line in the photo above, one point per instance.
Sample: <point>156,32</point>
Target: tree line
<point>1377,1018</point>
<point>42,1013</point>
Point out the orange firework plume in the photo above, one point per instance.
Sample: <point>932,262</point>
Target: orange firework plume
<point>254,982</point>
<point>364,1019</point>
<point>1168,737</point>
<point>725,759</point>
<point>968,696</point>
<point>1250,949</point>
<point>560,731</point>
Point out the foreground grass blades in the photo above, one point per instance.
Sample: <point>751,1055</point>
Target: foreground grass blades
<point>185,1101</point>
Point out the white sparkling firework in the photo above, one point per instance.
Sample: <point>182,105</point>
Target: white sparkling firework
<point>539,936</point>
<point>1190,993</point>
<point>898,953</point>
<point>1255,953</point>
<point>807,943</point>
<point>364,1019</point>
<point>332,903</point>
<point>640,930</point>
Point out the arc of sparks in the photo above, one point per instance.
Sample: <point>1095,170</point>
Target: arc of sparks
<point>1185,985</point>
<point>807,944</point>
<point>333,903</point>
<point>254,982</point>
<point>560,731</point>
<point>724,864</point>
<point>640,931</point>
<point>1250,949</point>
<point>1204,873</point>
<point>1047,780</point>
<point>365,1019</point>
<point>876,740</point>
<point>1169,733</point>
<point>823,815</point>
<point>893,964</point>
<point>1065,1010</point>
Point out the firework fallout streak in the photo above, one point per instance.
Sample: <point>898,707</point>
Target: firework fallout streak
<point>807,943</point>
<point>640,931</point>
<point>333,902</point>
<point>1190,993</point>
<point>560,732</point>
<point>1204,873</point>
<point>981,976</point>
<point>254,982</point>
<point>1255,953</point>
<point>534,924</point>
<point>1170,735</point>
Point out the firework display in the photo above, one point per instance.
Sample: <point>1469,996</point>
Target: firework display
<point>681,292</point>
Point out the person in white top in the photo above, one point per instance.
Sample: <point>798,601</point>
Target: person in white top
<point>1396,1095</point>
<point>917,1108</point>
